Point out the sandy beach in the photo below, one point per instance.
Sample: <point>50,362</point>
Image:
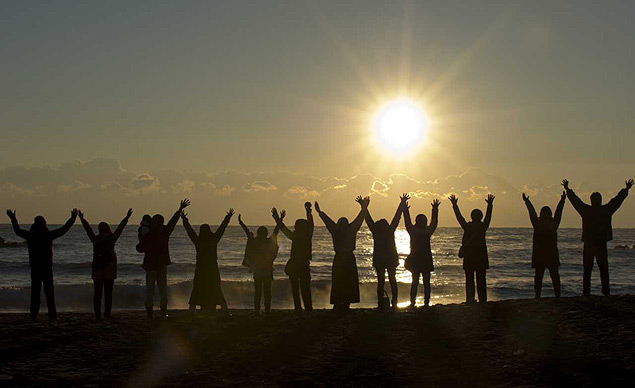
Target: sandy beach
<point>570,342</point>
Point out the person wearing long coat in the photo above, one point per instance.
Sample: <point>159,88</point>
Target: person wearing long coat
<point>345,279</point>
<point>474,248</point>
<point>206,288</point>
<point>104,265</point>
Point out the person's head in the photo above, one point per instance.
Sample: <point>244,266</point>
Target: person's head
<point>146,219</point>
<point>157,220</point>
<point>382,224</point>
<point>421,220</point>
<point>204,230</point>
<point>545,213</point>
<point>476,215</point>
<point>39,224</point>
<point>104,228</point>
<point>262,232</point>
<point>596,199</point>
<point>301,226</point>
<point>343,221</point>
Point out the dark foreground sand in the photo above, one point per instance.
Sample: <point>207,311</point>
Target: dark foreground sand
<point>569,342</point>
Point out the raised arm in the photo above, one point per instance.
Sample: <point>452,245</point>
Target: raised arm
<point>397,217</point>
<point>245,228</point>
<point>617,201</point>
<point>16,226</point>
<point>328,222</point>
<point>533,216</point>
<point>276,230</point>
<point>188,228</point>
<point>488,212</point>
<point>223,225</point>
<point>59,232</point>
<point>557,217</point>
<point>457,212</point>
<point>369,220</point>
<point>363,202</point>
<point>122,225</point>
<point>175,217</point>
<point>434,222</point>
<point>577,203</point>
<point>281,225</point>
<point>406,218</point>
<point>86,225</point>
<point>309,216</point>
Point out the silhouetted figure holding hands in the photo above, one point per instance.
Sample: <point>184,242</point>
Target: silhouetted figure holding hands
<point>385,256</point>
<point>596,232</point>
<point>298,266</point>
<point>104,266</point>
<point>345,280</point>
<point>39,240</point>
<point>419,262</point>
<point>206,290</point>
<point>157,258</point>
<point>545,244</point>
<point>260,254</point>
<point>474,248</point>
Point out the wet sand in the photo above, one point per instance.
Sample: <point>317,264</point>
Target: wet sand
<point>569,342</point>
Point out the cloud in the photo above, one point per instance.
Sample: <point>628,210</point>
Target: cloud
<point>300,192</point>
<point>380,188</point>
<point>225,191</point>
<point>259,186</point>
<point>145,183</point>
<point>186,186</point>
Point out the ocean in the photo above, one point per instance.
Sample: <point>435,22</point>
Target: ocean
<point>510,275</point>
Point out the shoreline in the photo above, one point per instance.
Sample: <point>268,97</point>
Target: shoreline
<point>574,341</point>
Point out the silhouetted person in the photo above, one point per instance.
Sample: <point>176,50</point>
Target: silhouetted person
<point>596,232</point>
<point>298,266</point>
<point>104,266</point>
<point>345,280</point>
<point>385,256</point>
<point>157,258</point>
<point>39,240</point>
<point>474,248</point>
<point>260,253</point>
<point>419,262</point>
<point>545,252</point>
<point>143,232</point>
<point>206,290</point>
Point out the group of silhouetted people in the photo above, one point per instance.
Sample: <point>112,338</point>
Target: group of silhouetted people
<point>262,250</point>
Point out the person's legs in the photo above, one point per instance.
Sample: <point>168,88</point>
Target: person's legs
<point>151,278</point>
<point>394,290</point>
<point>98,286</point>
<point>469,286</point>
<point>481,285</point>
<point>267,289</point>
<point>426,288</point>
<point>162,285</point>
<point>295,290</point>
<point>257,294</point>
<point>36,287</point>
<point>602,257</point>
<point>108,286</point>
<point>381,282</point>
<point>413,288</point>
<point>538,275</point>
<point>555,280</point>
<point>588,255</point>
<point>305,287</point>
<point>50,295</point>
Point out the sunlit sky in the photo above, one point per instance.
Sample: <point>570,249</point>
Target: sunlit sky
<point>105,105</point>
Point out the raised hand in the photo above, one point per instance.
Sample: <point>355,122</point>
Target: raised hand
<point>230,212</point>
<point>365,202</point>
<point>128,214</point>
<point>359,200</point>
<point>184,203</point>
<point>307,205</point>
<point>80,214</point>
<point>183,215</point>
<point>564,195</point>
<point>11,214</point>
<point>453,198</point>
<point>282,214</point>
<point>404,197</point>
<point>565,184</point>
<point>490,199</point>
<point>629,184</point>
<point>74,213</point>
<point>274,214</point>
<point>317,207</point>
<point>525,198</point>
<point>435,203</point>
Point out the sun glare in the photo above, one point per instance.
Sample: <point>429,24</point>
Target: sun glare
<point>400,126</point>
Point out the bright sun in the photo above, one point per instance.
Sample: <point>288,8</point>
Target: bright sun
<point>400,126</point>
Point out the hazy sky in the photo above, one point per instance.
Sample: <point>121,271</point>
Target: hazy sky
<point>254,104</point>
